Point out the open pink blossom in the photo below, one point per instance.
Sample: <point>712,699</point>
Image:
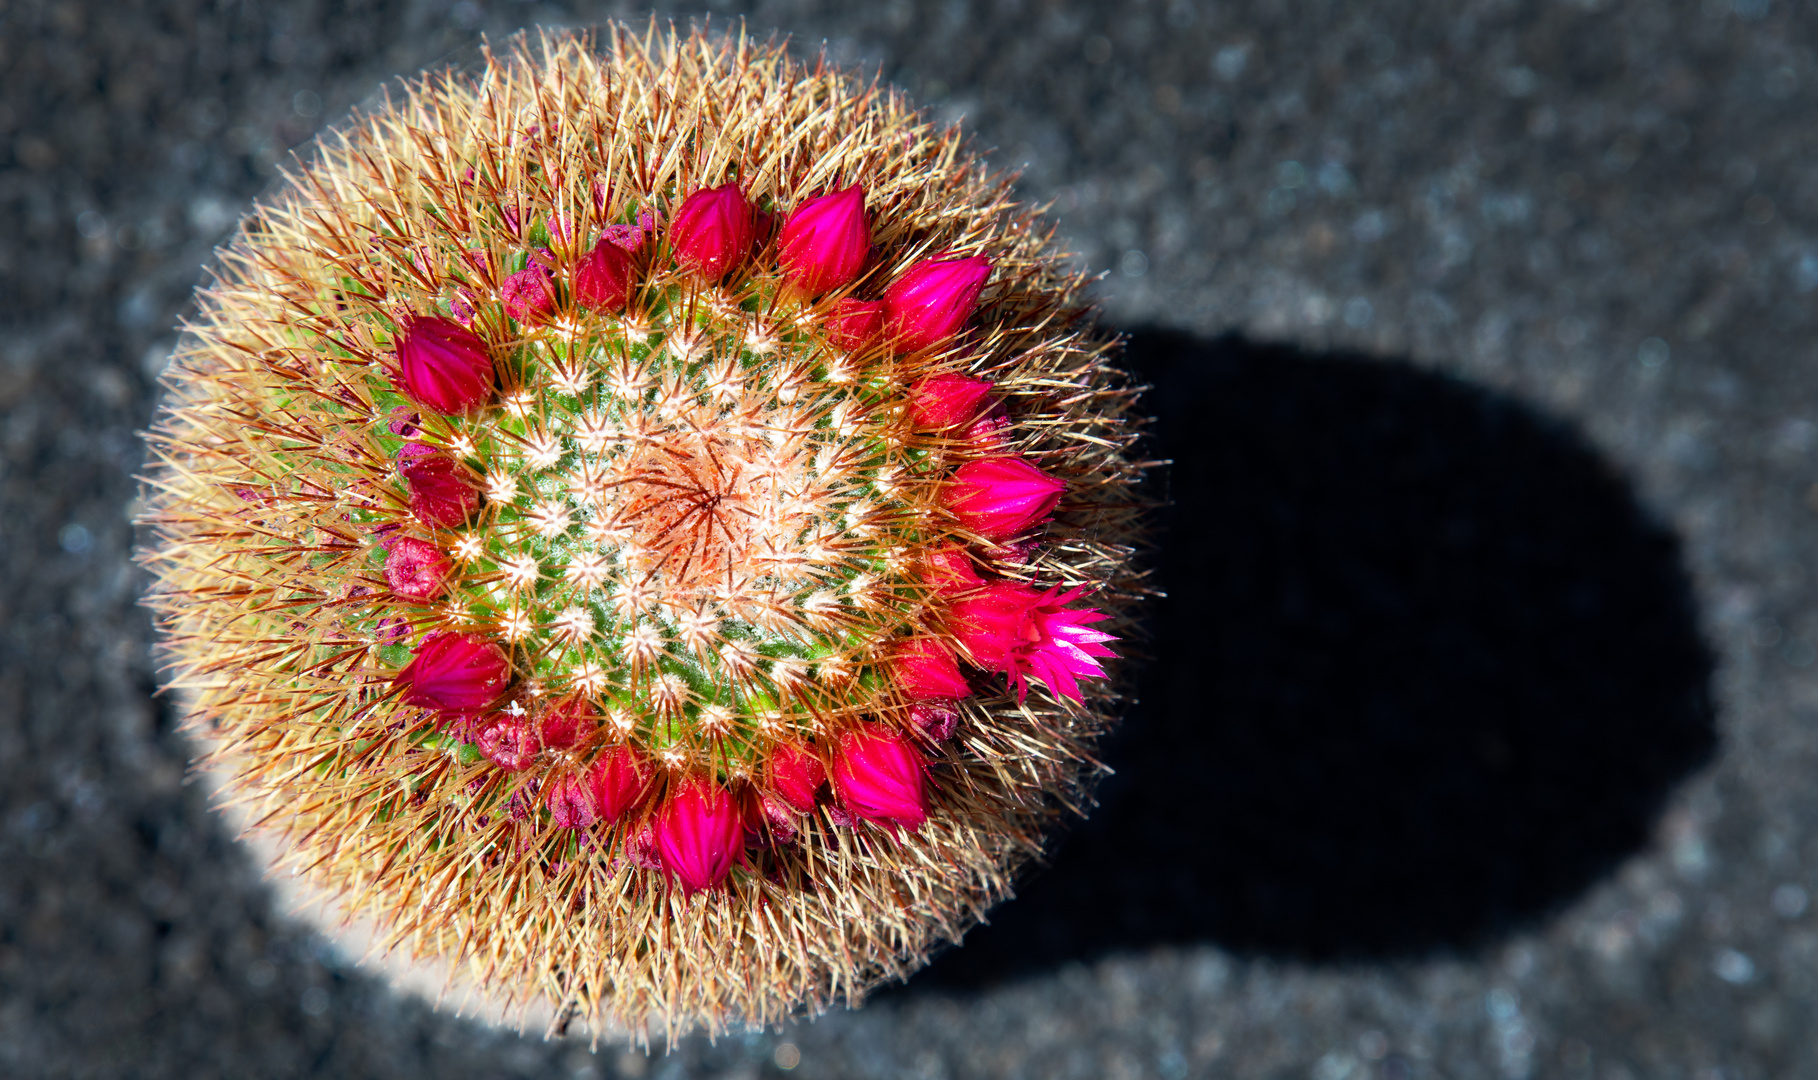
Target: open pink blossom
<point>796,774</point>
<point>441,493</point>
<point>878,776</point>
<point>933,299</point>
<point>508,742</point>
<point>527,294</point>
<point>945,401</point>
<point>712,230</point>
<point>926,671</point>
<point>455,672</point>
<point>1024,632</point>
<point>825,241</point>
<point>416,569</point>
<point>619,780</point>
<point>602,279</point>
<point>699,834</point>
<point>854,323</point>
<point>1001,497</point>
<point>442,365</point>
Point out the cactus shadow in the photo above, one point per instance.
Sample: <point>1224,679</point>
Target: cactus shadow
<point>1425,672</point>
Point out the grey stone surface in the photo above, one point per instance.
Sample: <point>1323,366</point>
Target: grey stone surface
<point>1605,210</point>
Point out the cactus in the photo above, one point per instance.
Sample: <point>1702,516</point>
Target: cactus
<point>606,514</point>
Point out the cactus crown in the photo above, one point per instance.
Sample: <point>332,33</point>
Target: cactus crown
<point>584,598</point>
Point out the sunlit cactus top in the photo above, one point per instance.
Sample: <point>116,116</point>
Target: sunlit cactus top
<point>646,521</point>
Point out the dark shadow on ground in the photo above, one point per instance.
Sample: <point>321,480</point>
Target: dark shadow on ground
<point>1424,673</point>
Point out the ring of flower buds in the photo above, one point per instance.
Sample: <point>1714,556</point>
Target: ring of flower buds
<point>996,499</point>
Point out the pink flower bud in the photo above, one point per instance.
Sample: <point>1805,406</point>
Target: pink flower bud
<point>855,323</point>
<point>455,672</point>
<point>878,776</point>
<point>1013,628</point>
<point>1000,497</point>
<point>769,821</point>
<point>442,365</point>
<point>933,299</point>
<point>508,742</point>
<point>699,832</point>
<point>712,230</point>
<point>936,719</point>
<point>416,569</point>
<point>949,570</point>
<point>566,723</point>
<point>926,671</point>
<point>571,802</point>
<point>825,241</point>
<point>619,781</point>
<point>946,401</point>
<point>602,279</point>
<point>527,295</point>
<point>796,774</point>
<point>441,495</point>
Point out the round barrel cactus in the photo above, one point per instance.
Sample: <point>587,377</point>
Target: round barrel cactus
<point>648,524</point>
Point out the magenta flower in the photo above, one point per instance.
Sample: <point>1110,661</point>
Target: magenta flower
<point>455,673</point>
<point>602,279</point>
<point>527,294</point>
<point>926,671</point>
<point>442,365</point>
<point>933,299</point>
<point>416,569</point>
<point>699,833</point>
<point>712,230</point>
<point>619,781</point>
<point>1001,497</point>
<point>508,742</point>
<point>796,774</point>
<point>855,323</point>
<point>1013,628</point>
<point>571,802</point>
<point>947,401</point>
<point>441,495</point>
<point>878,776</point>
<point>825,241</point>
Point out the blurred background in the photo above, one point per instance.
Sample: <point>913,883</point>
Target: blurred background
<point>1478,734</point>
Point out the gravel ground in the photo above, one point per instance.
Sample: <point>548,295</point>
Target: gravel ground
<point>1474,741</point>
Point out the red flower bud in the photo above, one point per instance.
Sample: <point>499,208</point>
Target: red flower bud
<point>946,401</point>
<point>442,365</point>
<point>796,774</point>
<point>619,781</point>
<point>508,742</point>
<point>566,723</point>
<point>825,241</point>
<point>927,671</point>
<point>527,294</point>
<point>878,776</point>
<point>699,832</point>
<point>1000,497</point>
<point>712,230</point>
<point>602,279</point>
<point>855,323</point>
<point>441,495</point>
<point>949,570</point>
<point>933,299</point>
<point>571,802</point>
<point>455,672</point>
<point>1010,627</point>
<point>416,569</point>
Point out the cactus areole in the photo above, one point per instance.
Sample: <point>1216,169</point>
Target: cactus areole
<point>578,596</point>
